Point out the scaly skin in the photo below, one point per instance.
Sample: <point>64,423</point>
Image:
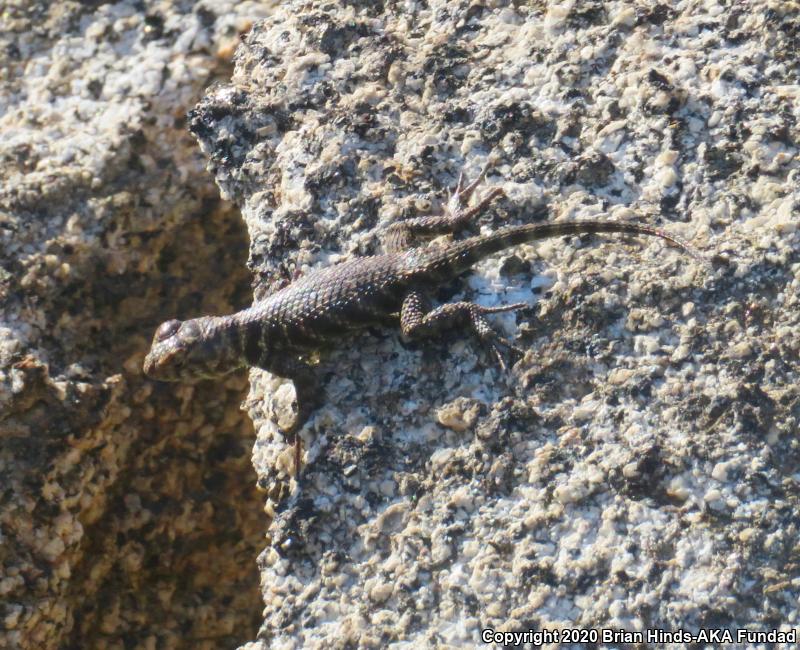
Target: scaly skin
<point>330,303</point>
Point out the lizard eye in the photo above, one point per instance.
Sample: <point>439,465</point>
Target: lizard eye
<point>167,329</point>
<point>190,331</point>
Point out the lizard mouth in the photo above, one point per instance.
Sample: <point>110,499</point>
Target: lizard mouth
<point>159,364</point>
<point>150,366</point>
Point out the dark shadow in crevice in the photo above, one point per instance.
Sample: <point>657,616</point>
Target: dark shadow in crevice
<point>171,557</point>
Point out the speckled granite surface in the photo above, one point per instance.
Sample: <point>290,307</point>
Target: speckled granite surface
<point>128,515</point>
<point>638,469</point>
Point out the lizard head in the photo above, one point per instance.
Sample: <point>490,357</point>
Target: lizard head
<point>200,348</point>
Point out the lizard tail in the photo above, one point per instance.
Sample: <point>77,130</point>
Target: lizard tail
<point>461,256</point>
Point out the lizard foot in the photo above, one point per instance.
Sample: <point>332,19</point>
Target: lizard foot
<point>456,216</point>
<point>500,347</point>
<point>457,210</point>
<point>415,322</point>
<point>291,433</point>
<point>308,397</point>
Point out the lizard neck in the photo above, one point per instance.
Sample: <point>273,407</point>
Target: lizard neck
<point>221,349</point>
<point>256,338</point>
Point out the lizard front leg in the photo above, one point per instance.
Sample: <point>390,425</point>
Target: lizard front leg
<point>308,395</point>
<point>457,216</point>
<point>417,322</point>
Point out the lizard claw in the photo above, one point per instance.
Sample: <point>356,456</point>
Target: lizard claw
<point>291,433</point>
<point>307,399</point>
<point>457,205</point>
<point>502,348</point>
<point>499,346</point>
<point>463,191</point>
<point>298,452</point>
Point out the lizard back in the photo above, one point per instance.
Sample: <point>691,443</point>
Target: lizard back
<point>334,300</point>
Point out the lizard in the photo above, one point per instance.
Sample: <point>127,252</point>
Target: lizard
<point>329,303</point>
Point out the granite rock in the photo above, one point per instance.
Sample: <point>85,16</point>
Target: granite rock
<point>637,469</point>
<point>128,514</point>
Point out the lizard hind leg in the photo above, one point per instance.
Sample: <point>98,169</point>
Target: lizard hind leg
<point>457,216</point>
<point>416,322</point>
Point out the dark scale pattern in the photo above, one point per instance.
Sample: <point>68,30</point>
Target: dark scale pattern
<point>330,302</point>
<point>326,304</point>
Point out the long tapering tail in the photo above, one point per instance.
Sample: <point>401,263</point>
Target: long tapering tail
<point>462,255</point>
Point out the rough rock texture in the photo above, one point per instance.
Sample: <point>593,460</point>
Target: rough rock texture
<point>638,469</point>
<point>128,516</point>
